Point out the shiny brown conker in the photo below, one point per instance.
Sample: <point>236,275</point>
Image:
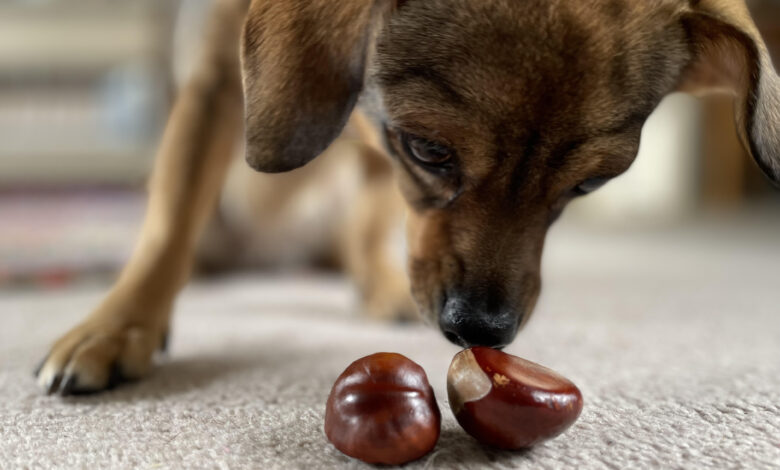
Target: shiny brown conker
<point>507,402</point>
<point>382,410</point>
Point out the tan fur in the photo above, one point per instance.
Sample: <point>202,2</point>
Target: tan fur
<point>302,48</point>
<point>531,98</point>
<point>124,331</point>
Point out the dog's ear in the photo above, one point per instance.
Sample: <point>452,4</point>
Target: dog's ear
<point>729,55</point>
<point>303,65</point>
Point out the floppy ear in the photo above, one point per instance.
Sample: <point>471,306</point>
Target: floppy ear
<point>303,65</point>
<point>729,55</point>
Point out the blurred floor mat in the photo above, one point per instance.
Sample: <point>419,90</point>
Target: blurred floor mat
<point>53,237</point>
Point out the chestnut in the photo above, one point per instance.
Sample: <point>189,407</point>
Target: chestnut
<point>382,410</point>
<point>507,402</point>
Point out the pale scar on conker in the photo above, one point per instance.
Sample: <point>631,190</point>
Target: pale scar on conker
<point>382,410</point>
<point>507,402</point>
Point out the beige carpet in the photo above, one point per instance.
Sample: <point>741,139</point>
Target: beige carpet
<point>672,335</point>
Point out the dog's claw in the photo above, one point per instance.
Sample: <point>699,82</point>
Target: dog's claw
<point>37,370</point>
<point>54,384</point>
<point>71,388</point>
<point>116,377</point>
<point>68,386</point>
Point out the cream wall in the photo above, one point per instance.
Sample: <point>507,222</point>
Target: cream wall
<point>662,184</point>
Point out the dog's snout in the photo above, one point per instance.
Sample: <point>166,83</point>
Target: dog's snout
<point>468,322</point>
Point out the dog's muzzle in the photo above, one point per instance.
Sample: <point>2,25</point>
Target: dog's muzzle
<point>471,322</point>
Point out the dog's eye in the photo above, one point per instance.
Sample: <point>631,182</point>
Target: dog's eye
<point>588,186</point>
<point>426,152</point>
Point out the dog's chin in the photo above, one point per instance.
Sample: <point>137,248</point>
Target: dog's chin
<point>428,316</point>
<point>425,311</point>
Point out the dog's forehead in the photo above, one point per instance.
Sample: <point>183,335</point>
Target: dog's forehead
<point>525,61</point>
<point>473,44</point>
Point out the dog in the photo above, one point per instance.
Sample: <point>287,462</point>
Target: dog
<point>491,115</point>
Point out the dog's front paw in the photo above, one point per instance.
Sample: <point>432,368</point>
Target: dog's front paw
<point>99,355</point>
<point>391,301</point>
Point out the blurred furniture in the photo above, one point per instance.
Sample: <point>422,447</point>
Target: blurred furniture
<point>661,185</point>
<point>83,89</point>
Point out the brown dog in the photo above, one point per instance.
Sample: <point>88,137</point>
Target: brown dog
<point>495,113</point>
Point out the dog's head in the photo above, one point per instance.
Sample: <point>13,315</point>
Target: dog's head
<point>498,112</point>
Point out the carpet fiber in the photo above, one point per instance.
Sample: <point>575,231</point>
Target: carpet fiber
<point>673,337</point>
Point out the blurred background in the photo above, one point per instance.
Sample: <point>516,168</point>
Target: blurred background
<point>660,295</point>
<point>86,86</point>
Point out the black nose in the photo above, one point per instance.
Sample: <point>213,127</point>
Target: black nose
<point>472,321</point>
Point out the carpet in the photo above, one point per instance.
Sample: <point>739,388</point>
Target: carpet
<point>673,336</point>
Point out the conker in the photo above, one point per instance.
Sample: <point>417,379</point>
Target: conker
<point>382,410</point>
<point>507,402</point>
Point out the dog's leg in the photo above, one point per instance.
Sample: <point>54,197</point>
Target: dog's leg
<point>117,340</point>
<point>373,242</point>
